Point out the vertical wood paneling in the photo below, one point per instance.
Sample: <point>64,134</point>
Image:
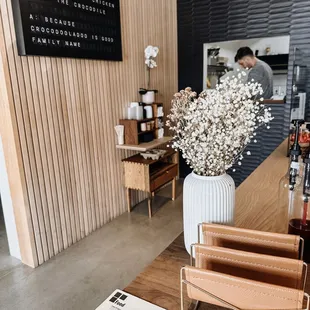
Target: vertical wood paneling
<point>66,110</point>
<point>12,148</point>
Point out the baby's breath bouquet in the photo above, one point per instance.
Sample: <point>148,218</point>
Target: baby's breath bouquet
<point>213,129</point>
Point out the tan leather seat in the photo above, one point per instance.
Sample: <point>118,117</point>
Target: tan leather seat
<point>282,245</point>
<point>238,292</point>
<point>246,269</point>
<point>265,268</point>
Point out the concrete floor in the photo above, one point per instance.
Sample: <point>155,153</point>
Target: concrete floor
<point>82,276</point>
<point>7,262</point>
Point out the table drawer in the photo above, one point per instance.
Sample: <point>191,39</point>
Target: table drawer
<point>166,176</point>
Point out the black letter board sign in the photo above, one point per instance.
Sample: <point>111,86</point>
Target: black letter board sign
<point>69,28</point>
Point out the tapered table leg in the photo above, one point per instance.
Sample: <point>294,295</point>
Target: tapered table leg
<point>128,193</point>
<point>149,204</point>
<point>173,188</point>
<point>196,305</point>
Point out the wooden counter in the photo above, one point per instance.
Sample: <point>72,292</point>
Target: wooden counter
<point>271,101</point>
<point>256,203</point>
<point>256,197</point>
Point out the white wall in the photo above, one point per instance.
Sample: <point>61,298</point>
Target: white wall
<point>278,45</point>
<point>7,206</point>
<point>228,49</point>
<point>279,84</point>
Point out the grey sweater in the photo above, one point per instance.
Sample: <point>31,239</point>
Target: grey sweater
<point>262,74</point>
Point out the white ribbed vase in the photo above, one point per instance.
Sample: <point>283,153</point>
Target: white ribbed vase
<point>209,200</point>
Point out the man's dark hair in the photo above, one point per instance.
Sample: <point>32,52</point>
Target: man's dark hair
<point>243,51</point>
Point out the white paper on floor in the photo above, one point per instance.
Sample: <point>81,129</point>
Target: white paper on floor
<point>120,300</point>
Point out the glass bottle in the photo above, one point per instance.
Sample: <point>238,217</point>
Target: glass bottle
<point>286,197</point>
<point>304,140</point>
<point>299,213</point>
<point>290,184</point>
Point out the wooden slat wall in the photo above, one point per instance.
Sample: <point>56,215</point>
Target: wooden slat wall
<point>66,110</point>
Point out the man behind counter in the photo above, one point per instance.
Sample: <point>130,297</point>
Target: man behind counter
<point>259,70</point>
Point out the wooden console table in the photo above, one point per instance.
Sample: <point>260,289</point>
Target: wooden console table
<point>149,175</point>
<point>142,147</point>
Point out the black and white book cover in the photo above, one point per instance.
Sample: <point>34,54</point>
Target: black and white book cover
<point>120,300</point>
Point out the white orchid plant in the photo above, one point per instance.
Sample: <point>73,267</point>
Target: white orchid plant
<point>150,54</point>
<point>213,129</point>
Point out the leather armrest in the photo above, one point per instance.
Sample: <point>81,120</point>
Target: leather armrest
<point>282,245</point>
<point>242,293</point>
<point>265,268</point>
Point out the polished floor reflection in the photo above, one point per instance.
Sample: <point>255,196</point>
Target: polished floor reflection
<point>85,274</point>
<point>7,262</point>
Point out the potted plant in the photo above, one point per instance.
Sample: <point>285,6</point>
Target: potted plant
<point>212,131</point>
<point>150,53</point>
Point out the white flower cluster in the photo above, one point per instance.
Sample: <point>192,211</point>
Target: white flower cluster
<point>150,53</point>
<point>213,129</point>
